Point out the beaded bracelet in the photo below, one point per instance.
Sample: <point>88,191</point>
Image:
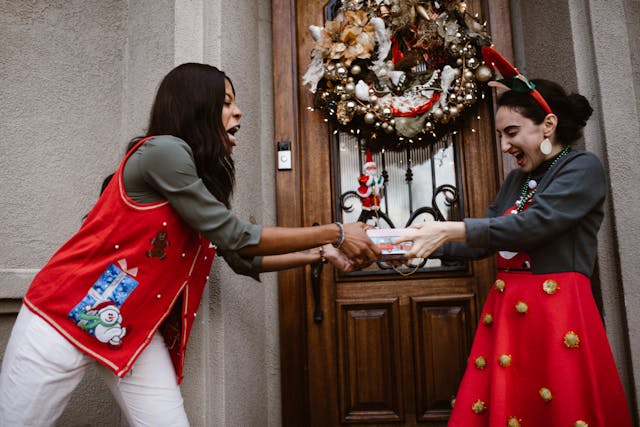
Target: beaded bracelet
<point>341,238</point>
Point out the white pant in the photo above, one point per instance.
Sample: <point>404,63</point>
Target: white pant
<point>41,369</point>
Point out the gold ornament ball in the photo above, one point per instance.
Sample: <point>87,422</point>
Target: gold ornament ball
<point>513,422</point>
<point>487,319</point>
<point>522,307</point>
<point>484,73</point>
<point>350,87</point>
<point>478,407</point>
<point>355,70</point>
<point>545,394</point>
<point>500,285</point>
<point>504,360</point>
<point>571,340</point>
<point>550,286</point>
<point>438,113</point>
<point>480,362</point>
<point>369,118</point>
<point>580,423</point>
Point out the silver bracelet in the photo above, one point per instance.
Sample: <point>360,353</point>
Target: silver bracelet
<point>340,241</point>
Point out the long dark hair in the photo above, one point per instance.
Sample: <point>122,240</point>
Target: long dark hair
<point>573,110</point>
<point>188,105</point>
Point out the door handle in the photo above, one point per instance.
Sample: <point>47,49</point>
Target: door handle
<point>316,282</point>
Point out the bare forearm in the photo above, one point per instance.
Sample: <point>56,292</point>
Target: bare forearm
<point>455,231</point>
<point>291,260</point>
<point>283,240</point>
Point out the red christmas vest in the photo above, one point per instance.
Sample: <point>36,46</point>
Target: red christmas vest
<point>129,271</point>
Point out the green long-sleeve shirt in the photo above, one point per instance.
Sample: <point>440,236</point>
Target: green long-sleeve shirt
<point>164,168</point>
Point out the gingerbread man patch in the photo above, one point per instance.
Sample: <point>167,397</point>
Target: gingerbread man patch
<point>160,242</point>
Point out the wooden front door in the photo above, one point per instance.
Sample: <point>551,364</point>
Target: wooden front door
<point>375,348</point>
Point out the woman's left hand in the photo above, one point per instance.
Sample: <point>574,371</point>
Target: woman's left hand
<point>430,235</point>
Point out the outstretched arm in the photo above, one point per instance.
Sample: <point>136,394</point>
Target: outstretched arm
<point>283,240</point>
<point>428,236</point>
<point>309,256</point>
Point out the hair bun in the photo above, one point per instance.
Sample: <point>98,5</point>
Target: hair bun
<point>580,108</point>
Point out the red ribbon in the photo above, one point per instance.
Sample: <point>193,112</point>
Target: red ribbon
<point>418,110</point>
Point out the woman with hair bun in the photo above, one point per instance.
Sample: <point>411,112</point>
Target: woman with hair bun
<point>540,356</point>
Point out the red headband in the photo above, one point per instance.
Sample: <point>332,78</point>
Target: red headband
<point>512,77</point>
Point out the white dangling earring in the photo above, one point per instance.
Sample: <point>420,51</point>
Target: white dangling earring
<point>546,147</point>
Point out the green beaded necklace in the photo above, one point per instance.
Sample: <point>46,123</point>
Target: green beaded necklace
<point>530,185</point>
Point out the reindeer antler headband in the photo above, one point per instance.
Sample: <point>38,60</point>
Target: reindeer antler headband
<point>511,78</point>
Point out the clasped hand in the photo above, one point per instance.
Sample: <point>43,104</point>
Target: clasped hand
<point>357,250</point>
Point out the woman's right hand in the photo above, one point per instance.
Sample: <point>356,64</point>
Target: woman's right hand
<point>337,258</point>
<point>358,246</point>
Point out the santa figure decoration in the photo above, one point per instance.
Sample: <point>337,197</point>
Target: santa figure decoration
<point>370,188</point>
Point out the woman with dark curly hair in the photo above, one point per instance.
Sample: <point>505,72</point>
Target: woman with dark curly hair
<point>540,356</point>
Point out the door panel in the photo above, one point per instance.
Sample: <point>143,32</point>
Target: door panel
<point>442,326</point>
<point>374,348</point>
<point>370,379</point>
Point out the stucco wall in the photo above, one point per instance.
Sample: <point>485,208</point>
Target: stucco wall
<point>78,78</point>
<point>60,104</point>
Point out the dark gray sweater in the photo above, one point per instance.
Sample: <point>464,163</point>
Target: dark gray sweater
<point>558,230</point>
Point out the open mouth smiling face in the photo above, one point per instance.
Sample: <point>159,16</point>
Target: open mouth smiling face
<point>231,115</point>
<point>520,137</point>
<point>231,132</point>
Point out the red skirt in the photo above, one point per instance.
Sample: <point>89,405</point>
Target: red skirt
<point>540,357</point>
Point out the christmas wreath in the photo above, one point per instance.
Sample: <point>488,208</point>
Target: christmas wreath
<point>397,71</point>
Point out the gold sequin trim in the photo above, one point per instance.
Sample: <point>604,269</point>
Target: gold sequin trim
<point>545,394</point>
<point>500,285</point>
<point>571,340</point>
<point>522,307</point>
<point>550,286</point>
<point>479,407</point>
<point>504,360</point>
<point>481,362</point>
